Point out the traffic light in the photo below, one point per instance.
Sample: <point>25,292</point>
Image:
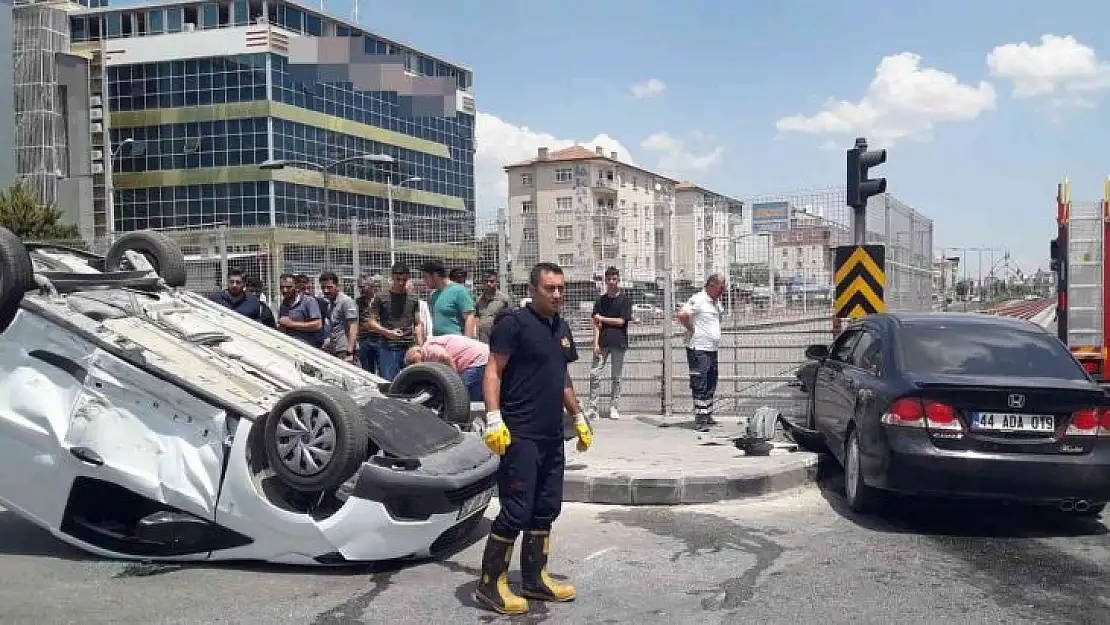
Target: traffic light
<point>860,187</point>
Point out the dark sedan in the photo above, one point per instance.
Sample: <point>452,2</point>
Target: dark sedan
<point>961,405</point>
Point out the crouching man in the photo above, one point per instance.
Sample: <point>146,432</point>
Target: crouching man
<point>465,355</point>
<point>526,387</point>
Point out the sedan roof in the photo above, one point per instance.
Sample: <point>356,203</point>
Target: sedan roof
<point>959,319</point>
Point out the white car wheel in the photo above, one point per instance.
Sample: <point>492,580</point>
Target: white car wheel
<point>161,252</point>
<point>436,386</point>
<point>305,439</point>
<point>316,438</point>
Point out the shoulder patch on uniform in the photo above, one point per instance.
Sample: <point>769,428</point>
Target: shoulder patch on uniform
<point>565,342</point>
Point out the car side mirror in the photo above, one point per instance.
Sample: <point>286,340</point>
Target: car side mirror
<point>817,351</point>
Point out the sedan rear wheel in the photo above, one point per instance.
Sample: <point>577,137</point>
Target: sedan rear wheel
<point>861,497</point>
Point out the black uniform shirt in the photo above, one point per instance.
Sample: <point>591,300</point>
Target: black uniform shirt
<point>532,383</point>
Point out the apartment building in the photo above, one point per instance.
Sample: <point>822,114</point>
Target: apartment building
<point>703,232</point>
<point>586,210</point>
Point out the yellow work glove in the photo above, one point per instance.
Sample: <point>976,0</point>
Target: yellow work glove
<point>495,434</point>
<point>585,434</point>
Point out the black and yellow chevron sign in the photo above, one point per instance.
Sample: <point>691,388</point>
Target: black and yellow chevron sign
<point>860,280</point>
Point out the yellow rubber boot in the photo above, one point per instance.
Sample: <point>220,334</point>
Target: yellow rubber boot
<point>537,584</point>
<point>493,587</point>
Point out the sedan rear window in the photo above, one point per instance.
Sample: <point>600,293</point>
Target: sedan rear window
<point>975,349</point>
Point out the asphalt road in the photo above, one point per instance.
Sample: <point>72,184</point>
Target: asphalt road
<point>789,559</point>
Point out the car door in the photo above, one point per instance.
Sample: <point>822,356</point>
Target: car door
<point>860,378</point>
<point>828,395</point>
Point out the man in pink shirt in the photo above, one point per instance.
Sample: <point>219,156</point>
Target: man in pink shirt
<point>465,355</point>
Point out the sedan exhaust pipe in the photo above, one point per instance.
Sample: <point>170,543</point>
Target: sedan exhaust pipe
<point>1067,505</point>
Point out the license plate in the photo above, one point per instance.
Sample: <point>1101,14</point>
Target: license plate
<point>1009,422</point>
<point>475,503</point>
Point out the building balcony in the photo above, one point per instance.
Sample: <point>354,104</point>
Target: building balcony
<point>604,185</point>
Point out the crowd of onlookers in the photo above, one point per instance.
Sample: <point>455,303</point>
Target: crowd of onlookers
<point>386,326</point>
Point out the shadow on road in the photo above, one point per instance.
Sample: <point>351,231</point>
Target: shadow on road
<point>22,538</point>
<point>935,516</point>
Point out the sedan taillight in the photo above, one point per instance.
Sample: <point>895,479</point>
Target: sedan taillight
<point>1089,422</point>
<point>922,413</point>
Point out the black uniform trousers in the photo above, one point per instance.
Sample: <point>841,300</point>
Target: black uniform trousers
<point>529,486</point>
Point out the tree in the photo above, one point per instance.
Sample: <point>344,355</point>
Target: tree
<point>28,218</point>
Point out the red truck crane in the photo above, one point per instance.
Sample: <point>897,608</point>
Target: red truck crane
<point>1079,254</point>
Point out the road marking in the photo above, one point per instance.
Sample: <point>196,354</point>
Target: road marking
<point>599,553</point>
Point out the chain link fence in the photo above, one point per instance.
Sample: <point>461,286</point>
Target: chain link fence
<point>775,251</point>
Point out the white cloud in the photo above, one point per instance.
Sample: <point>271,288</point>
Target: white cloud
<point>648,89</point>
<point>1056,64</point>
<point>904,101</point>
<point>499,143</point>
<point>676,158</point>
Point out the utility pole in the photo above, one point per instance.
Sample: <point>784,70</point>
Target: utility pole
<point>663,195</point>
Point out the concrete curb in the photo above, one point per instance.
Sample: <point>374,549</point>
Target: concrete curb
<point>646,489</point>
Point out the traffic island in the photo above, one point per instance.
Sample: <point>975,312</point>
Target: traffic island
<point>633,462</point>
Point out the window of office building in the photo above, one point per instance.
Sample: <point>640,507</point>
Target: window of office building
<point>192,82</point>
<point>220,143</point>
<point>298,86</point>
<point>295,141</point>
<point>237,204</point>
<point>302,206</point>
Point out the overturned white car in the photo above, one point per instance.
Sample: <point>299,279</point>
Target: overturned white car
<point>140,420</point>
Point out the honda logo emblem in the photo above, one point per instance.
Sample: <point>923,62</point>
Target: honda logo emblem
<point>1016,401</point>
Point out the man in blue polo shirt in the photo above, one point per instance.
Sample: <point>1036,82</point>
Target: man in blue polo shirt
<point>526,388</point>
<point>299,314</point>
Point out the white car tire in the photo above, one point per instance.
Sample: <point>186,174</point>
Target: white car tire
<point>17,276</point>
<point>161,251</point>
<point>316,438</point>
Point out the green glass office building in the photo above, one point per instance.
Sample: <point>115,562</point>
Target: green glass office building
<point>190,99</point>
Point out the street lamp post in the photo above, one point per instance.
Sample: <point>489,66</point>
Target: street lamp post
<point>389,204</point>
<point>326,170</point>
<point>109,184</point>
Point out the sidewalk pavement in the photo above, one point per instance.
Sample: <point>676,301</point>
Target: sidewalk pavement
<point>635,462</point>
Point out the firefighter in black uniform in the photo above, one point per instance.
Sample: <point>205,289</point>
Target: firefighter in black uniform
<point>526,388</point>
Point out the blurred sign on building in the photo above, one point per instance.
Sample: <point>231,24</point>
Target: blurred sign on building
<point>770,216</point>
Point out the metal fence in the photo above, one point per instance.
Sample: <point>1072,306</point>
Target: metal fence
<point>776,252</point>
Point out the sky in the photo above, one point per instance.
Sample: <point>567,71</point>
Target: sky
<point>983,106</point>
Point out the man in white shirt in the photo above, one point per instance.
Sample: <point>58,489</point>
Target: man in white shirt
<point>701,316</point>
